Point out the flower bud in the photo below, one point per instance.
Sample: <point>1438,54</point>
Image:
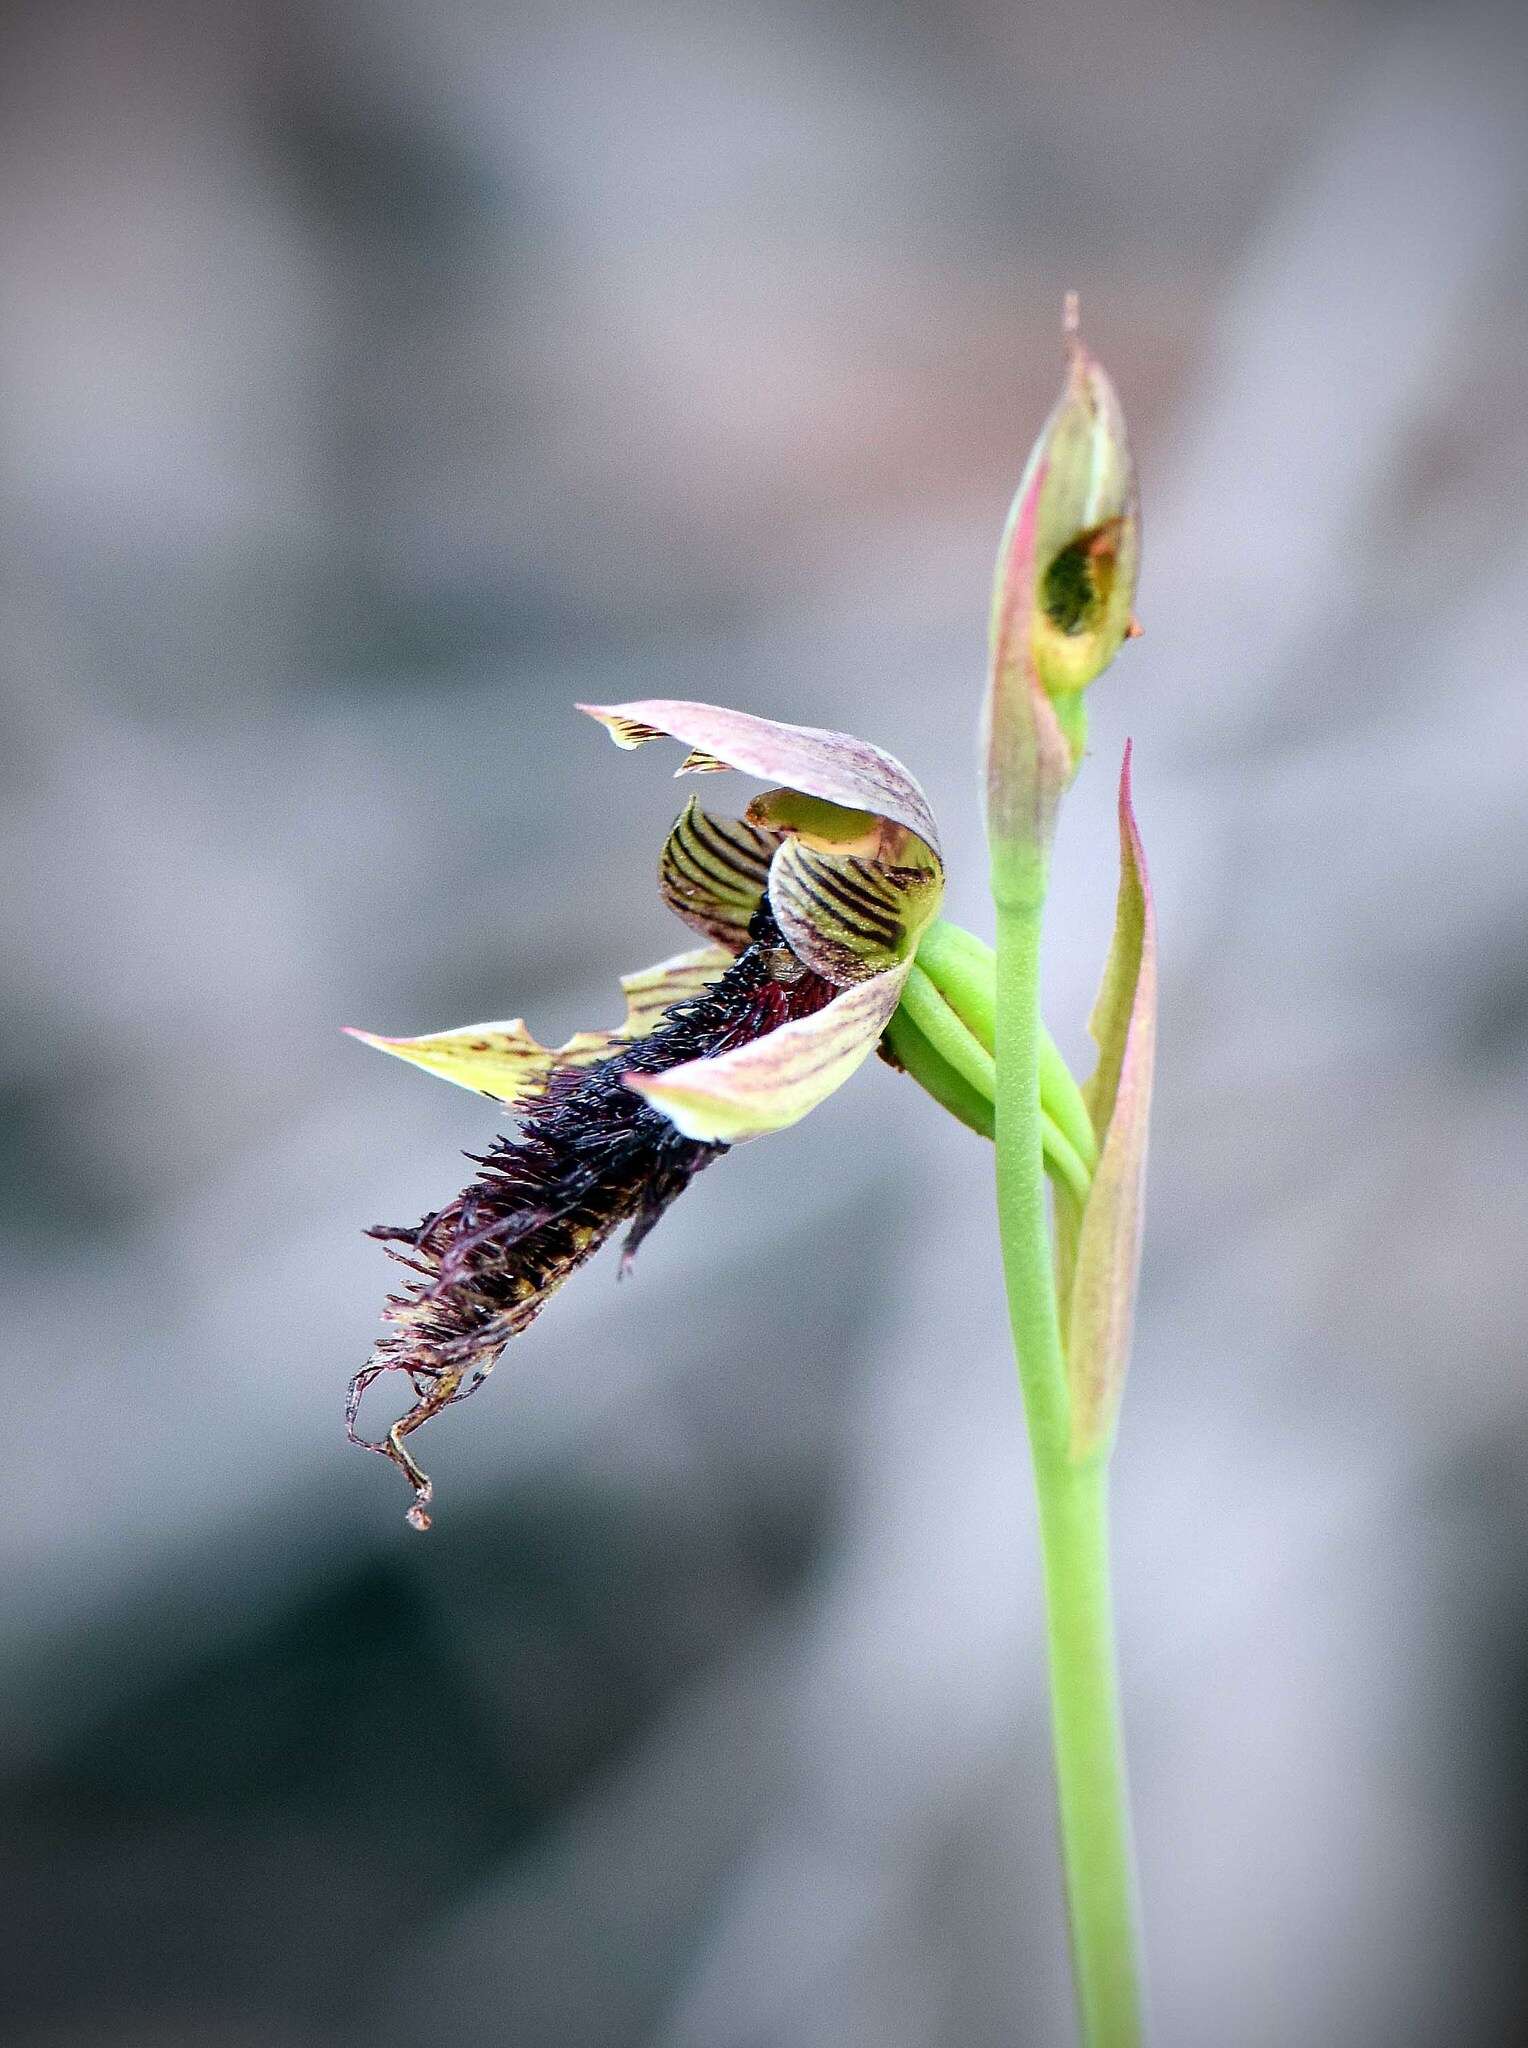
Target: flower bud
<point>1087,531</point>
<point>1062,599</point>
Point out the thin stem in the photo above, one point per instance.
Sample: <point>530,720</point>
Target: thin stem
<point>1073,1501</point>
<point>916,1056</point>
<point>1021,1176</point>
<point>962,967</point>
<point>944,1030</point>
<point>1092,1794</point>
<point>1063,1101</point>
<point>1067,1172</point>
<point>966,1062</point>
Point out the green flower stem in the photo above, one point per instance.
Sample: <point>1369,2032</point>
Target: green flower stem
<point>912,1052</point>
<point>1062,1163</point>
<point>944,1030</point>
<point>949,1053</point>
<point>1073,1504</point>
<point>963,968</point>
<point>1062,1101</point>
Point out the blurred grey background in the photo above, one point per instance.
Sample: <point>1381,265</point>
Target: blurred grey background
<point>377,379</point>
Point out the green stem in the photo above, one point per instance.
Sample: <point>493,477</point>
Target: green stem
<point>916,1056</point>
<point>958,1071</point>
<point>1063,1101</point>
<point>961,965</point>
<point>963,969</point>
<point>1092,1794</point>
<point>1062,1163</point>
<point>1073,1502</point>
<point>945,1031</point>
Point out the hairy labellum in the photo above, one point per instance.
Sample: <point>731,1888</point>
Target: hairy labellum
<point>590,1157</point>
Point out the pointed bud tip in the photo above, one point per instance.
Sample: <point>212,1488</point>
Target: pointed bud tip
<point>1132,852</point>
<point>1063,597</point>
<point>1086,529</point>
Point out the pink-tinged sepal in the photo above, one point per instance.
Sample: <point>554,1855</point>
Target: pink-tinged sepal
<point>1101,1304</point>
<point>507,1064</point>
<point>1061,609</point>
<point>776,1080</point>
<point>833,765</point>
<point>1028,760</point>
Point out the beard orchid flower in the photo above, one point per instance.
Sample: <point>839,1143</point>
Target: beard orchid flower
<point>811,907</point>
<point>819,913</point>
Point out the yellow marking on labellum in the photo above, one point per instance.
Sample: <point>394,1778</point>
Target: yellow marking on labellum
<point>698,762</point>
<point>505,1062</point>
<point>832,828</point>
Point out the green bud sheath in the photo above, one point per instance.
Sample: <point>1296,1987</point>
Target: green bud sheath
<point>1107,1257</point>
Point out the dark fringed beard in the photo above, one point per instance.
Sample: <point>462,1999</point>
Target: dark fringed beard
<point>591,1156</point>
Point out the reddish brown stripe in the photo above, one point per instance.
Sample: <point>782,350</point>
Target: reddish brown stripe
<point>680,860</point>
<point>746,856</point>
<point>876,926</point>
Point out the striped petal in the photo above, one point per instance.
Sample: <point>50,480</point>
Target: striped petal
<point>777,1079</point>
<point>504,1062</point>
<point>714,872</point>
<point>833,765</point>
<point>849,917</point>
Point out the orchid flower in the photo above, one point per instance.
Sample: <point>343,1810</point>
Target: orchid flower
<point>812,906</point>
<point>819,909</point>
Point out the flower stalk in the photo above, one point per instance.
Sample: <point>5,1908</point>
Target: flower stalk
<point>1073,1506</point>
<point>1061,609</point>
<point>969,1030</point>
